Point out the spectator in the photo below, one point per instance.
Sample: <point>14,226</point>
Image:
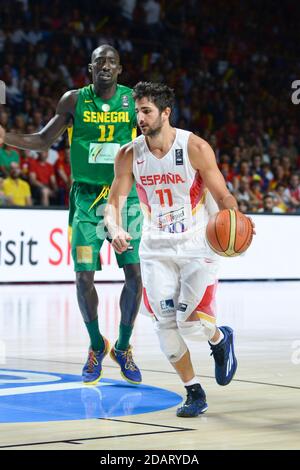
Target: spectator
<point>280,176</point>
<point>62,170</point>
<point>17,190</point>
<point>34,35</point>
<point>266,176</point>
<point>227,95</point>
<point>243,173</point>
<point>256,165</point>
<point>256,194</point>
<point>243,193</point>
<point>272,152</point>
<point>7,156</point>
<point>127,8</point>
<point>152,11</point>
<point>41,56</point>
<point>290,150</point>
<point>4,200</point>
<point>124,42</point>
<point>293,191</point>
<point>269,206</point>
<point>282,198</point>
<point>4,118</point>
<point>42,179</point>
<point>228,175</point>
<point>244,207</point>
<point>25,161</point>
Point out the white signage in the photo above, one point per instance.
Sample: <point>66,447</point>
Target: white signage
<point>34,247</point>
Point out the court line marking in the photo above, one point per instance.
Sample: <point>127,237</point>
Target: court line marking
<point>147,424</point>
<point>44,388</point>
<point>80,441</point>
<point>73,442</point>
<point>161,372</point>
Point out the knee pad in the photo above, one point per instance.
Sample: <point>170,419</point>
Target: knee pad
<point>171,342</point>
<point>193,330</point>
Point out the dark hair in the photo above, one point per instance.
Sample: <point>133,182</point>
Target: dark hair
<point>161,95</point>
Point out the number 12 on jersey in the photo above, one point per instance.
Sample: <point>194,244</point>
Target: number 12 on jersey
<point>162,193</point>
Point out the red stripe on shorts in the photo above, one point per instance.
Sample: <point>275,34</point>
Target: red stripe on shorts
<point>146,302</point>
<point>207,303</point>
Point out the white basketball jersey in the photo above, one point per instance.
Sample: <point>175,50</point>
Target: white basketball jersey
<point>172,193</point>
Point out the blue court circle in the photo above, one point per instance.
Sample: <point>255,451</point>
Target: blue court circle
<point>31,396</point>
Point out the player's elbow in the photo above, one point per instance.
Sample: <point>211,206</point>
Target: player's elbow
<point>43,144</point>
<point>43,148</point>
<point>40,143</point>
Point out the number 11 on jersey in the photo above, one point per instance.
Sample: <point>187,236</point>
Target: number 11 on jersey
<point>161,194</point>
<point>103,133</point>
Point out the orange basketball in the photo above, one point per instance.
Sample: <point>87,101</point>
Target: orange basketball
<point>229,232</point>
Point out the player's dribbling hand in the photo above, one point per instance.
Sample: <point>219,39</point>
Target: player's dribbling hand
<point>2,135</point>
<point>253,226</point>
<point>120,241</point>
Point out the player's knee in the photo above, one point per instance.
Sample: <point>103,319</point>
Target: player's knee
<point>190,329</point>
<point>133,277</point>
<point>171,342</point>
<point>84,281</point>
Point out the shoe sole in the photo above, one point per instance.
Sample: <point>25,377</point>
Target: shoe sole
<point>107,345</point>
<point>111,354</point>
<point>193,416</point>
<point>94,382</point>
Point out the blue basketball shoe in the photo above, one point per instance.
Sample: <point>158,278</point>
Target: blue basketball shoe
<point>129,369</point>
<point>225,360</point>
<point>92,370</point>
<point>195,403</point>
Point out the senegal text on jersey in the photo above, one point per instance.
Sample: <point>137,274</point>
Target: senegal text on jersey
<point>114,116</point>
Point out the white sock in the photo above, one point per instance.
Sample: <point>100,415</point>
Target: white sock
<point>213,343</point>
<point>191,382</point>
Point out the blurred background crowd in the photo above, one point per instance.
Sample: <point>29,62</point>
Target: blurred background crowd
<point>231,64</point>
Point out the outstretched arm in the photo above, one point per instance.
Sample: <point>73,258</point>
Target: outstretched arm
<point>119,191</point>
<point>43,139</point>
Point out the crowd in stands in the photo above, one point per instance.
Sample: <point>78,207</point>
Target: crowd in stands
<point>231,64</point>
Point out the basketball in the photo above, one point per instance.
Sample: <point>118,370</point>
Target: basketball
<point>229,233</point>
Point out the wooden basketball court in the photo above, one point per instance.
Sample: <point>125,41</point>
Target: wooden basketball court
<point>42,332</point>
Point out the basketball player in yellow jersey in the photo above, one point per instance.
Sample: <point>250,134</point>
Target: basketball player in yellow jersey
<point>175,173</point>
<point>101,118</point>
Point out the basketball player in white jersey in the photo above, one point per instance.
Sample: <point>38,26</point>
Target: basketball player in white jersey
<point>176,173</point>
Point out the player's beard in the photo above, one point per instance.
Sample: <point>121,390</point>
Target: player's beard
<point>155,129</point>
